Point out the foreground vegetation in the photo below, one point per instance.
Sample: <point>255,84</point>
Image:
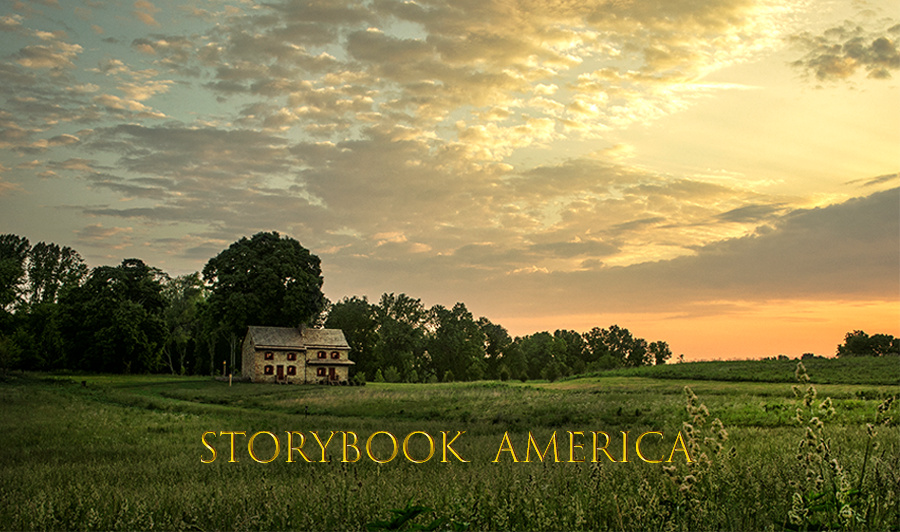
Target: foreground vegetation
<point>124,452</point>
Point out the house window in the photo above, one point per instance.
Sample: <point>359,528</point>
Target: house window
<point>322,354</point>
<point>320,372</point>
<point>292,370</point>
<point>335,354</point>
<point>292,356</point>
<point>270,355</point>
<point>270,370</point>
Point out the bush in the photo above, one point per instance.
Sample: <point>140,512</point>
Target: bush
<point>391,374</point>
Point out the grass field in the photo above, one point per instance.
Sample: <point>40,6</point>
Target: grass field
<point>124,452</point>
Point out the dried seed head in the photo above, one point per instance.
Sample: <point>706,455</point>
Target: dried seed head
<point>800,373</point>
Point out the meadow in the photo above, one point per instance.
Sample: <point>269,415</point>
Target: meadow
<point>113,452</point>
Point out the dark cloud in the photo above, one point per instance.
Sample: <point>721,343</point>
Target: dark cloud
<point>844,251</point>
<point>875,181</point>
<point>750,213</point>
<point>591,248</point>
<point>841,51</point>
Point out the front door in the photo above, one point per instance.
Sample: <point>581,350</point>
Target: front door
<point>332,373</point>
<point>280,372</point>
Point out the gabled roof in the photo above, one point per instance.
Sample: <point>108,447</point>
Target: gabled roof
<point>294,338</point>
<point>325,338</point>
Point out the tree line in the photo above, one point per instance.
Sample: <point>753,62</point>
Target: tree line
<point>398,339</point>
<point>56,314</point>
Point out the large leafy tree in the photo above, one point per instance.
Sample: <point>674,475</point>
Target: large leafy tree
<point>542,351</point>
<point>860,344</point>
<point>496,344</point>
<point>457,344</point>
<point>114,321</point>
<point>267,279</point>
<point>401,322</point>
<point>356,317</point>
<point>574,359</point>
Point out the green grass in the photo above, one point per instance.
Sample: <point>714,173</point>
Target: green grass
<point>123,453</point>
<point>854,370</point>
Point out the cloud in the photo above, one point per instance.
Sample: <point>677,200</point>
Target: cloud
<point>846,251</point>
<point>97,236</point>
<point>144,11</point>
<point>481,143</point>
<point>469,59</point>
<point>875,181</point>
<point>57,55</point>
<point>7,188</point>
<point>843,50</point>
<point>115,103</point>
<point>174,52</point>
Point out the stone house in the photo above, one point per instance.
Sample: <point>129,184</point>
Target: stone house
<point>295,355</point>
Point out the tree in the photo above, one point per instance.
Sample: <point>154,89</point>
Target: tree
<point>496,343</point>
<point>13,254</point>
<point>10,353</point>
<point>264,280</point>
<point>356,317</point>
<point>400,322</point>
<point>457,343</point>
<point>114,322</point>
<point>51,269</point>
<point>860,344</point>
<point>618,343</point>
<point>660,352</point>
<point>184,297</point>
<point>539,350</point>
<point>574,357</point>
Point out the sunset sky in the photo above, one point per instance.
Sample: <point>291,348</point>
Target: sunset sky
<point>718,174</point>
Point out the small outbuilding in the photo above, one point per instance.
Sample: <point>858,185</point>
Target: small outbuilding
<point>296,355</point>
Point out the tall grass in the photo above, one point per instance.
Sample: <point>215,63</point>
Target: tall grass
<point>123,453</point>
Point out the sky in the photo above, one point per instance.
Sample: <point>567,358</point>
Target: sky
<point>718,174</point>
